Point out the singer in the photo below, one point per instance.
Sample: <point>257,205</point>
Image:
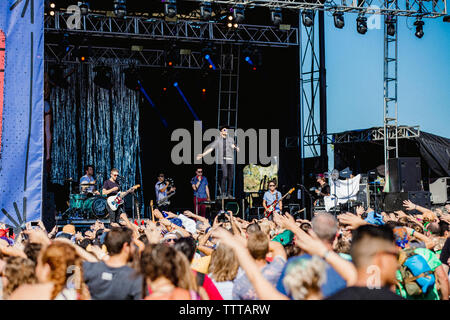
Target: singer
<point>201,191</point>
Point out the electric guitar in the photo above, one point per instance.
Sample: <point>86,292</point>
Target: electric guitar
<point>320,191</point>
<point>115,201</point>
<point>165,201</point>
<point>270,209</point>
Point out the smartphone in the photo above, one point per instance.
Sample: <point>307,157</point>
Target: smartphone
<point>34,223</point>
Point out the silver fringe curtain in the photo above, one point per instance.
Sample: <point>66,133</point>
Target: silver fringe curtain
<point>82,129</point>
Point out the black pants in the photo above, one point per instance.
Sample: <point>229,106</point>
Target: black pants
<point>227,174</point>
<point>114,216</point>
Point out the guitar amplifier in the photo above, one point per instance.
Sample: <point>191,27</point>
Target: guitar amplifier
<point>363,195</point>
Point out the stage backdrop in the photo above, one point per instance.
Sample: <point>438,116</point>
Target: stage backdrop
<point>92,125</point>
<point>21,110</point>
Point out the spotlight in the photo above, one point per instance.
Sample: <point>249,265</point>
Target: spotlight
<point>361,24</point>
<point>230,25</point>
<point>236,25</point>
<point>103,78</point>
<point>230,18</point>
<point>308,17</point>
<point>276,16</point>
<point>120,8</point>
<point>238,13</point>
<point>52,7</point>
<point>419,28</point>
<point>84,8</point>
<point>164,89</point>
<point>175,84</point>
<point>210,66</point>
<point>203,90</point>
<point>170,63</point>
<point>390,26</point>
<point>205,10</point>
<point>170,8</point>
<point>207,57</point>
<point>338,19</point>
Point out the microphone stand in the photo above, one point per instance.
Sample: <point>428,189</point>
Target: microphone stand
<point>310,199</point>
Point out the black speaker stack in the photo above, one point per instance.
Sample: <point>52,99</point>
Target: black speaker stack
<point>405,183</point>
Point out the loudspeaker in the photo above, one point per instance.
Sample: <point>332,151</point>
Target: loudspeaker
<point>393,201</point>
<point>440,190</point>
<point>404,174</point>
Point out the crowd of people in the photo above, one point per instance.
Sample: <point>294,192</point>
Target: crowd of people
<point>366,255</point>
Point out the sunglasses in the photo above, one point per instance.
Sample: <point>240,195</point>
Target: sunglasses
<point>272,185</point>
<point>115,175</point>
<point>169,240</point>
<point>199,171</point>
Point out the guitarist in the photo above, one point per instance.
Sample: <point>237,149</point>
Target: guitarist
<point>271,196</point>
<point>323,190</point>
<point>111,188</point>
<point>163,189</point>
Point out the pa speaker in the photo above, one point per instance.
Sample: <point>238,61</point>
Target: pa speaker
<point>393,201</point>
<point>405,174</point>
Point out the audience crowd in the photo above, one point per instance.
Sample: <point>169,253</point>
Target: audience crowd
<point>366,255</point>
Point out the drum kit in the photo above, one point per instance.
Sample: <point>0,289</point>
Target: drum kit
<point>85,204</point>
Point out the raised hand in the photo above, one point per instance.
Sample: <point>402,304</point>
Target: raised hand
<point>351,220</point>
<point>409,205</point>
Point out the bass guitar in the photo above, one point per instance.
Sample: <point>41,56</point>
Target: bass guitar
<point>270,209</point>
<point>115,201</point>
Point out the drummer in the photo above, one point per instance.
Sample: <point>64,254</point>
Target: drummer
<point>87,182</point>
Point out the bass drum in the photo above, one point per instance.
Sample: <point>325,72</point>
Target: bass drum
<point>96,206</point>
<point>76,201</point>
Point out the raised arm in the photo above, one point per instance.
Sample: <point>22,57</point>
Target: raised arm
<point>263,288</point>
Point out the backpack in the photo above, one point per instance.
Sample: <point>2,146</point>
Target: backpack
<point>418,278</point>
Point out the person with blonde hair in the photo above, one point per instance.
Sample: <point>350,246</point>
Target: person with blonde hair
<point>17,271</point>
<point>59,272</point>
<point>223,270</point>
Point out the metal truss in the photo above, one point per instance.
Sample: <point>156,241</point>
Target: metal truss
<point>309,87</point>
<point>140,27</point>
<point>390,84</point>
<point>144,58</point>
<point>414,8</point>
<point>373,134</point>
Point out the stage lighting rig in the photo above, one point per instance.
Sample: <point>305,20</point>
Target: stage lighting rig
<point>170,8</point>
<point>103,77</point>
<point>419,28</point>
<point>308,17</point>
<point>238,13</point>
<point>84,8</point>
<point>338,19</point>
<point>120,8</point>
<point>390,21</point>
<point>361,24</point>
<point>205,10</point>
<point>51,8</point>
<point>276,16</point>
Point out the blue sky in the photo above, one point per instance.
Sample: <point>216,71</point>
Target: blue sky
<point>355,76</point>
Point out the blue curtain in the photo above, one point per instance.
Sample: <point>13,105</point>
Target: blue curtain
<point>92,125</point>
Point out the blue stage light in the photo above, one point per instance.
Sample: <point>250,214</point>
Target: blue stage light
<point>175,84</point>
<point>207,57</point>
